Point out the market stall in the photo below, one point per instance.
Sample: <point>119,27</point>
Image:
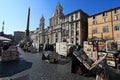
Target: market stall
<point>3,40</point>
<point>10,54</point>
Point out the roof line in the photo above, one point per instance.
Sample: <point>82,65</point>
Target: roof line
<point>105,11</point>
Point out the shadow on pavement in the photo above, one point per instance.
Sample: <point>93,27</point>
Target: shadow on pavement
<point>62,62</point>
<point>25,77</point>
<point>8,69</point>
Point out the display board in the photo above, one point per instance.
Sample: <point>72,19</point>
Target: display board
<point>118,45</point>
<point>61,48</point>
<point>111,60</point>
<point>111,46</point>
<point>86,60</point>
<point>101,46</point>
<point>57,47</point>
<point>88,48</point>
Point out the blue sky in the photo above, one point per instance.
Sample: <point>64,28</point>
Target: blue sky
<point>14,12</point>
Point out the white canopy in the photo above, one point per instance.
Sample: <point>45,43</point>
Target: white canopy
<point>70,44</point>
<point>4,39</point>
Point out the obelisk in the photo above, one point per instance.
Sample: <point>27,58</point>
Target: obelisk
<point>27,37</point>
<point>28,21</point>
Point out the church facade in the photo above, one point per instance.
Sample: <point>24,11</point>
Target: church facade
<point>72,28</point>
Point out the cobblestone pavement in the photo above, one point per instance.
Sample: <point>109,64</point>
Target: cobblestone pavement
<point>40,70</point>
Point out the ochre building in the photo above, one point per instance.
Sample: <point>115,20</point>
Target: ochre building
<point>105,25</point>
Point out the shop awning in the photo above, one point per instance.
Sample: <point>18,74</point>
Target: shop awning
<point>4,39</point>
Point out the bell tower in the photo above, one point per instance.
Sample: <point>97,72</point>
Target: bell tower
<point>42,23</point>
<point>59,10</point>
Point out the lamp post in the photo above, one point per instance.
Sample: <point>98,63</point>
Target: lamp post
<point>2,34</point>
<point>39,42</point>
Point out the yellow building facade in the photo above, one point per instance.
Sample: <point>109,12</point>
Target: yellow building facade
<point>105,25</point>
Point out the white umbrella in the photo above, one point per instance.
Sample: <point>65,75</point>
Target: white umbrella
<point>4,39</point>
<point>69,44</point>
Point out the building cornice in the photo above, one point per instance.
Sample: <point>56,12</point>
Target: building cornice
<point>105,11</point>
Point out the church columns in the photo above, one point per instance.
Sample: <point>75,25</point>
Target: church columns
<point>74,33</point>
<point>70,33</point>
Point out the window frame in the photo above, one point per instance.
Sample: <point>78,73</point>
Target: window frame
<point>93,17</point>
<point>105,29</point>
<point>116,17</point>
<point>94,30</point>
<point>76,15</point>
<point>117,35</point>
<point>72,18</point>
<point>104,20</point>
<point>94,22</point>
<point>77,32</point>
<point>115,11</point>
<point>104,14</point>
<point>117,27</point>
